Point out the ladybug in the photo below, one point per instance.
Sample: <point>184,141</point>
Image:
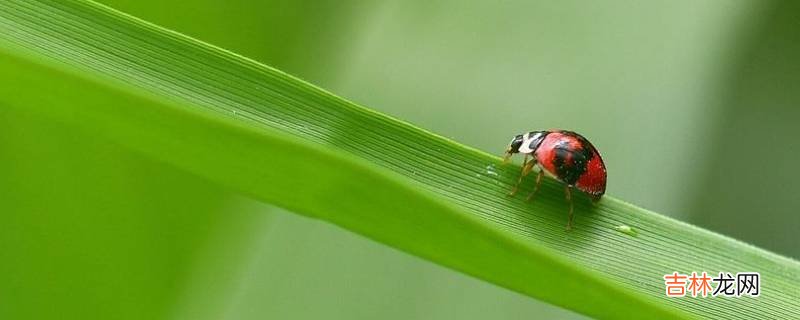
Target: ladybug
<point>564,155</point>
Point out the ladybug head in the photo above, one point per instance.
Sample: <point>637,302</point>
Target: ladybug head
<point>525,143</point>
<point>513,146</point>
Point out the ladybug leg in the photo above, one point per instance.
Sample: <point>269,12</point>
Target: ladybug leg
<point>538,183</point>
<point>526,168</point>
<point>571,209</point>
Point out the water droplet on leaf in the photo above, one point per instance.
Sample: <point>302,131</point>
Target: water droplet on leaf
<point>626,230</point>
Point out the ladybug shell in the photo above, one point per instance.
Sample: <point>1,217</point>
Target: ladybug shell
<point>570,158</point>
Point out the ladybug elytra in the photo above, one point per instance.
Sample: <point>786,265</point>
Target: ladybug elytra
<point>564,155</point>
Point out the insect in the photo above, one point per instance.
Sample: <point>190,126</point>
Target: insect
<point>564,155</point>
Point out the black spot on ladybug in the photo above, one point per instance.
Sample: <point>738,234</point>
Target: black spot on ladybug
<point>570,162</point>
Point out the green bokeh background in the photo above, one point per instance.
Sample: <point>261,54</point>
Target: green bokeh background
<point>694,106</point>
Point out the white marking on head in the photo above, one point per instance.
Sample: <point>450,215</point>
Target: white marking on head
<point>526,142</point>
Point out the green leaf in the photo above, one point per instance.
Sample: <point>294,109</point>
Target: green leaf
<point>283,141</point>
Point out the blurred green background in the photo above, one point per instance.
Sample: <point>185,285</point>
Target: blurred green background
<point>694,106</point>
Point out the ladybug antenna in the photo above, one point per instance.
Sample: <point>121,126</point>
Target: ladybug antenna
<point>507,157</point>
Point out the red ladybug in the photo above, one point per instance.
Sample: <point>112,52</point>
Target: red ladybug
<point>564,155</point>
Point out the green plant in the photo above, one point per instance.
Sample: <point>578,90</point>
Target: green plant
<point>283,141</point>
